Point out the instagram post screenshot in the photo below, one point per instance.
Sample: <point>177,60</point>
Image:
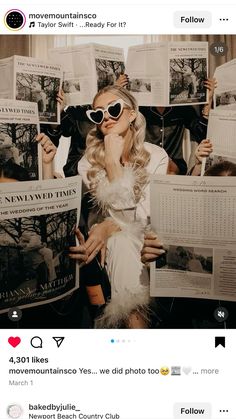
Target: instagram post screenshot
<point>117,210</point>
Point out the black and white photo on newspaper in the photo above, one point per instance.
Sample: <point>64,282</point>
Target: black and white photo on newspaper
<point>33,80</point>
<point>168,73</point>
<point>19,126</point>
<point>188,69</point>
<point>187,77</point>
<point>108,71</point>
<point>37,226</point>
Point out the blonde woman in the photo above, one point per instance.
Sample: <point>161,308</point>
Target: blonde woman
<point>116,168</point>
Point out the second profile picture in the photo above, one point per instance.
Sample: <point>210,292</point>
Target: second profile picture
<point>14,411</point>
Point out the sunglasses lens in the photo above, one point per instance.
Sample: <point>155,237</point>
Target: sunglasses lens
<point>97,116</point>
<point>114,110</point>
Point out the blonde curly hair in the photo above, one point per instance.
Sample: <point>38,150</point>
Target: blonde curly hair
<point>135,152</point>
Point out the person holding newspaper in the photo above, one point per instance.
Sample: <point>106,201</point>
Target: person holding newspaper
<point>190,312</point>
<point>166,125</point>
<point>116,169</point>
<point>153,247</point>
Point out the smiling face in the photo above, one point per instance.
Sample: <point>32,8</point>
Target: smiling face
<point>109,125</point>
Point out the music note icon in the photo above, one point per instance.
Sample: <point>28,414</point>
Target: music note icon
<point>32,25</point>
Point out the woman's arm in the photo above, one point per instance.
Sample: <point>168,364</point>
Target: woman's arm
<point>114,145</point>
<point>115,187</point>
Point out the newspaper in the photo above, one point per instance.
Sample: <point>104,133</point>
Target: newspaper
<point>225,92</point>
<point>37,221</point>
<point>221,131</point>
<point>195,218</point>
<point>19,125</point>
<point>32,80</point>
<point>168,73</point>
<point>87,69</point>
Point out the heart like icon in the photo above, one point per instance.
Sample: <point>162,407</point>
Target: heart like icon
<point>187,370</point>
<point>14,341</point>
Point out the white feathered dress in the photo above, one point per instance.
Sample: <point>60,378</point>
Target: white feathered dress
<point>128,275</point>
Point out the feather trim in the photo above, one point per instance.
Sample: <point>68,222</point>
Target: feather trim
<point>117,194</point>
<point>117,311</point>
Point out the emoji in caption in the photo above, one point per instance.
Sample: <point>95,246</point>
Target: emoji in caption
<point>164,370</point>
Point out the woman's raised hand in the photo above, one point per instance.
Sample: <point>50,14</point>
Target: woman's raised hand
<point>122,81</point>
<point>114,145</point>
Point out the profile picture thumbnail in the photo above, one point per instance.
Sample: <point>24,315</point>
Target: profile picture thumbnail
<point>14,411</point>
<point>15,19</point>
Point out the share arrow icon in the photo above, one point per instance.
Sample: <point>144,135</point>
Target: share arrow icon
<point>58,340</point>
